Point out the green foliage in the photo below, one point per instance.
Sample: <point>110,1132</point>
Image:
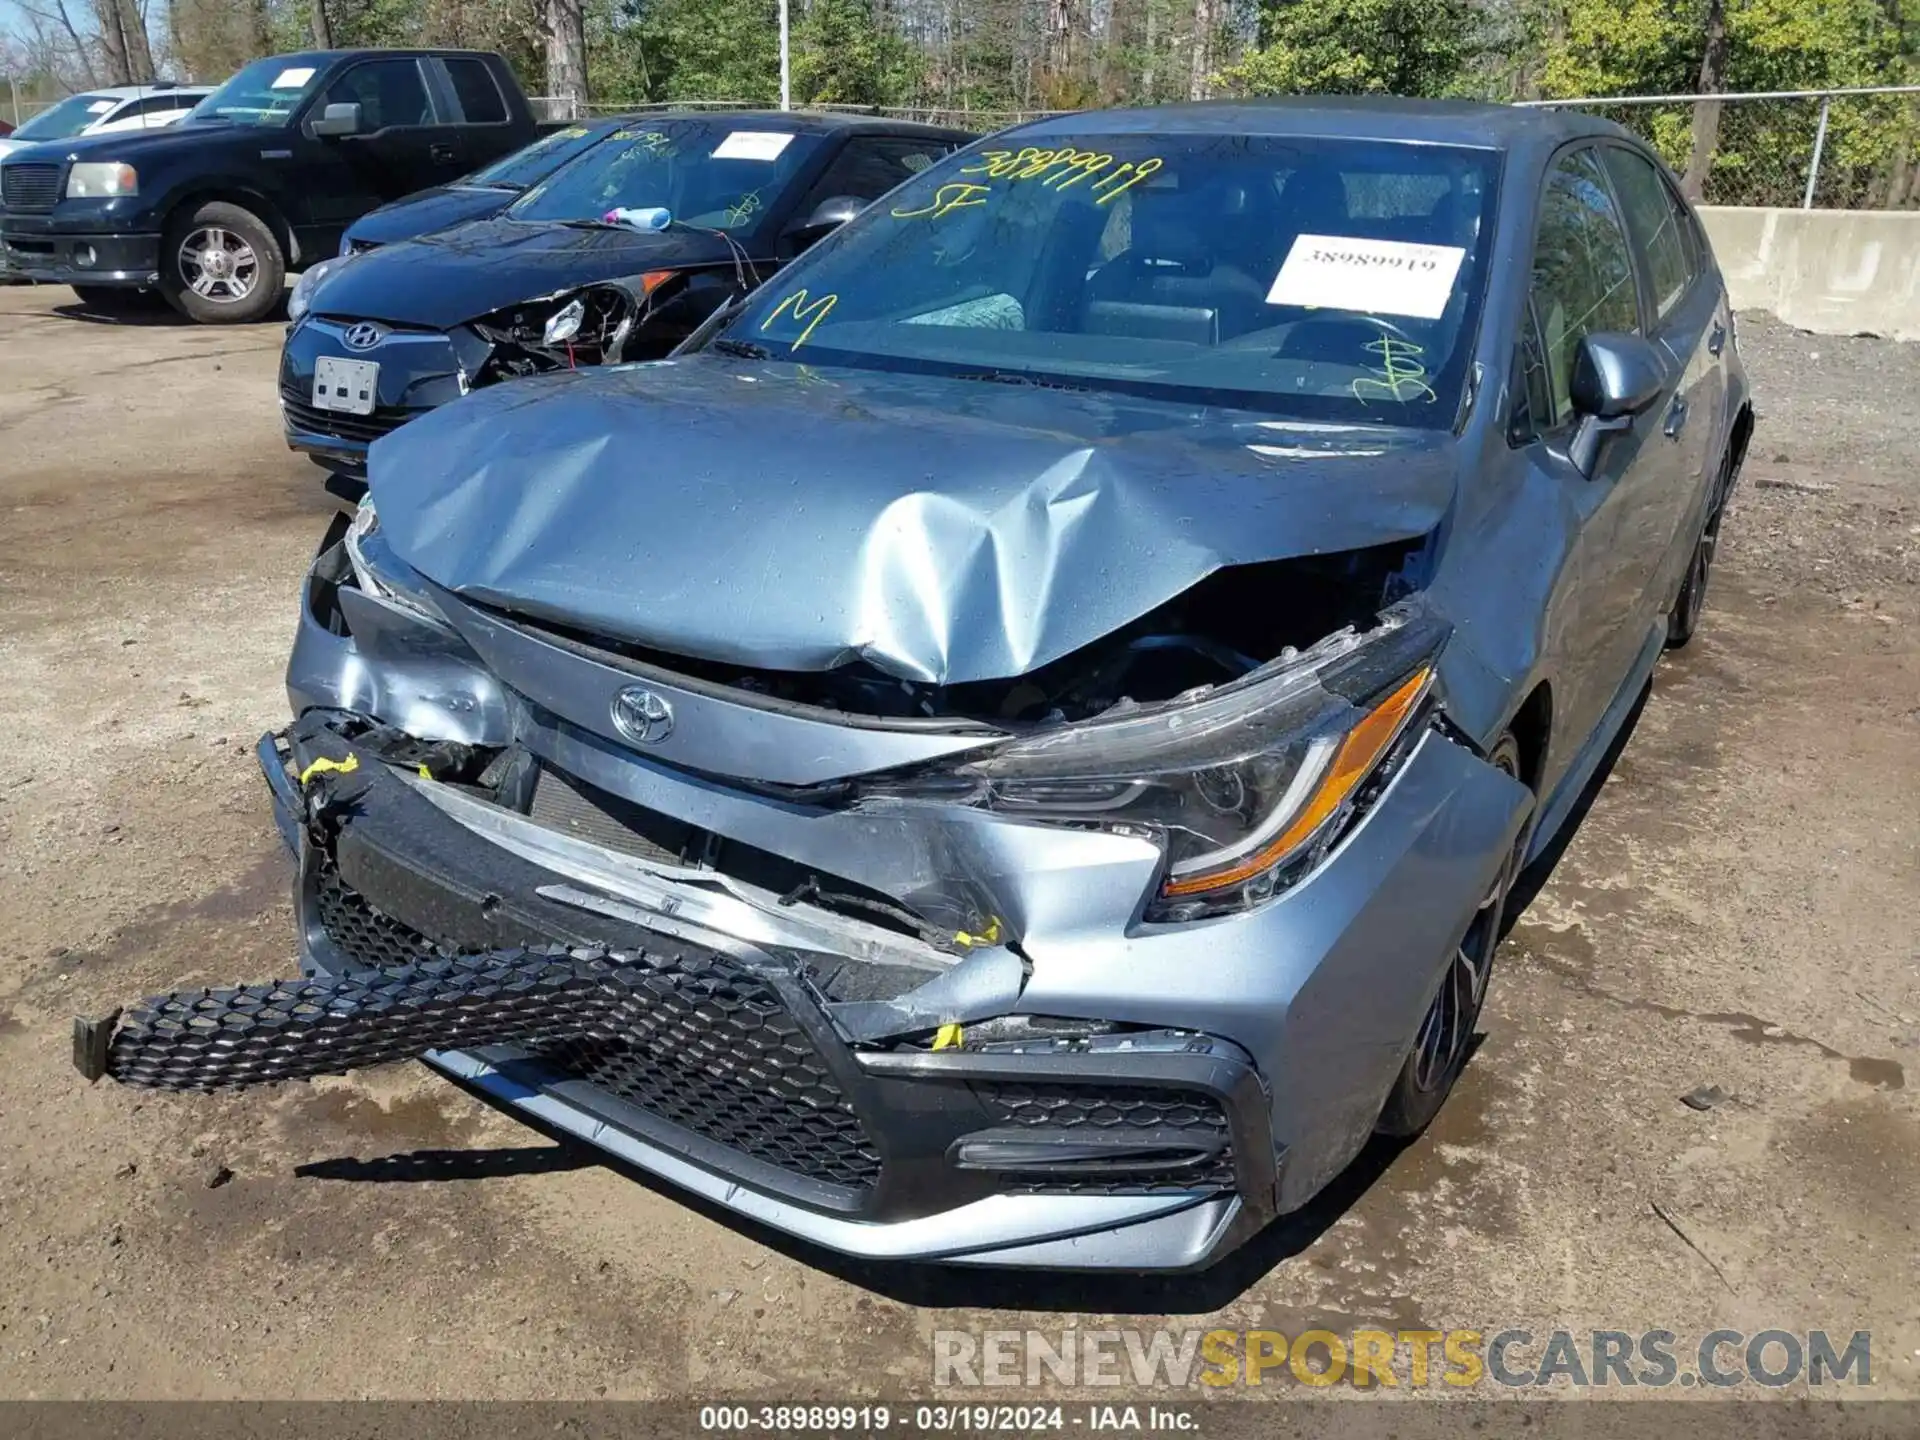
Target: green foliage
<point>1626,47</point>
<point>1357,47</point>
<point>842,57</point>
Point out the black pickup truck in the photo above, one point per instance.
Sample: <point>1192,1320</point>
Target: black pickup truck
<point>262,178</point>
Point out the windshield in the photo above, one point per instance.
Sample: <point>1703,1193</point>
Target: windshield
<point>265,93</point>
<point>522,168</point>
<point>717,174</point>
<point>69,117</point>
<point>1319,279</point>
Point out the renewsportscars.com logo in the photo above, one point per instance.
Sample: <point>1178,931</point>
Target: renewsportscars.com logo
<point>1368,1359</point>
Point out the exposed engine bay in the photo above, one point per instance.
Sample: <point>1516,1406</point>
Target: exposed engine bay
<point>1225,626</point>
<point>590,326</point>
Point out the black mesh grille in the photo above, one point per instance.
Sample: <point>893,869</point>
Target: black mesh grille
<point>1071,1108</point>
<point>29,188</point>
<point>706,1045</point>
<point>363,936</point>
<point>366,428</point>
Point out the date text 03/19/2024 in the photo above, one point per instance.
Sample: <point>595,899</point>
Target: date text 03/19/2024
<point>944,1419</point>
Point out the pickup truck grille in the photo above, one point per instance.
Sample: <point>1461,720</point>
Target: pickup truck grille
<point>29,188</point>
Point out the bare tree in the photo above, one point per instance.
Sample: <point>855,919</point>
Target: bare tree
<point>565,24</point>
<point>1206,24</point>
<point>1706,113</point>
<point>322,26</point>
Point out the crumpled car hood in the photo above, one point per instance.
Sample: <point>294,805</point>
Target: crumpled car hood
<point>787,517</point>
<point>451,276</point>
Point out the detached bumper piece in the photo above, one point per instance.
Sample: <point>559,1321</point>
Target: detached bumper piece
<point>299,1029</point>
<point>710,1061</point>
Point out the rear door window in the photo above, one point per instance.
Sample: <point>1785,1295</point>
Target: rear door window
<point>479,97</point>
<point>1655,225</point>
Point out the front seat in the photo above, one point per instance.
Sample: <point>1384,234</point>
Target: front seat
<point>1175,280</point>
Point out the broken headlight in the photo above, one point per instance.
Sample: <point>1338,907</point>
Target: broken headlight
<point>383,574</point>
<point>1243,787</point>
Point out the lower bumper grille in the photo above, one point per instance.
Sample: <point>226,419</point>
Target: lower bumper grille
<point>362,429</point>
<point>700,1042</point>
<point>1187,1120</point>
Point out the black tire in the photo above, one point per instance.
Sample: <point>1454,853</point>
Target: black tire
<point>1444,1040</point>
<point>1688,606</point>
<point>113,299</point>
<point>221,265</point>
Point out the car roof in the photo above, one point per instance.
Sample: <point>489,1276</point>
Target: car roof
<point>138,92</point>
<point>1357,117</point>
<point>799,122</point>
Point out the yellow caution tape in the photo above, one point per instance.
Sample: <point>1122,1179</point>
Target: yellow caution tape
<point>324,766</point>
<point>988,936</point>
<point>947,1037</point>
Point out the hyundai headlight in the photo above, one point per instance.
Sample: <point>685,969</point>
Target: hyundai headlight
<point>309,283</point>
<point>99,180</point>
<point>383,574</point>
<point>1244,788</point>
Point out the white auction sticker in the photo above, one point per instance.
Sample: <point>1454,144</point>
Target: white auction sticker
<point>1374,277</point>
<point>100,107</point>
<point>293,78</point>
<point>753,145</point>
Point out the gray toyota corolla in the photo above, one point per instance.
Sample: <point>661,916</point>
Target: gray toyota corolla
<point>1014,745</point>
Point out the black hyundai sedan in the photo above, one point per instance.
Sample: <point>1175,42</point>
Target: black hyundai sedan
<point>484,193</point>
<point>617,255</point>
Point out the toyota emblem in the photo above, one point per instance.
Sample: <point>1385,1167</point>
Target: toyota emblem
<point>642,716</point>
<point>364,336</point>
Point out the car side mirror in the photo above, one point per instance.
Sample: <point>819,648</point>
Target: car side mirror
<point>1615,377</point>
<point>337,120</point>
<point>829,215</point>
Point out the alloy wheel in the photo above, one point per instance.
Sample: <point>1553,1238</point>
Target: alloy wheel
<point>218,264</point>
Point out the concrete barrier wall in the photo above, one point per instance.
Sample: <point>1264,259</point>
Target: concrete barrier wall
<point>1835,272</point>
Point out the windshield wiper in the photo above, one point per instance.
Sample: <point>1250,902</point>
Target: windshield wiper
<point>742,349</point>
<point>512,187</point>
<point>593,225</point>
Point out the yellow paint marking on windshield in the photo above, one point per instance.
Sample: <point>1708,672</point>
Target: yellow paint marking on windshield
<point>1140,172</point>
<point>948,198</point>
<point>805,311</point>
<point>652,141</point>
<point>744,209</point>
<point>1062,168</point>
<point>1401,375</point>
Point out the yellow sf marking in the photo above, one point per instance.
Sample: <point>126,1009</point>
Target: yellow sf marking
<point>805,311</point>
<point>948,198</point>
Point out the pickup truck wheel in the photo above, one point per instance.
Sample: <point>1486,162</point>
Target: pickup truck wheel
<point>1444,1041</point>
<point>220,265</point>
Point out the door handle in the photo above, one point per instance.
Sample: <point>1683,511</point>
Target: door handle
<point>444,153</point>
<point>1676,417</point>
<point>1716,338</point>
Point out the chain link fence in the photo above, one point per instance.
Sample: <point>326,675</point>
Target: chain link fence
<point>1835,149</point>
<point>1832,149</point>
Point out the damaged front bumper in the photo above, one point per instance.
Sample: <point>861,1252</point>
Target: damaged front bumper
<point>419,370</point>
<point>1072,1087</point>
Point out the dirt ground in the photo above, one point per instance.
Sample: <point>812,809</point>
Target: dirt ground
<point>1741,908</point>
